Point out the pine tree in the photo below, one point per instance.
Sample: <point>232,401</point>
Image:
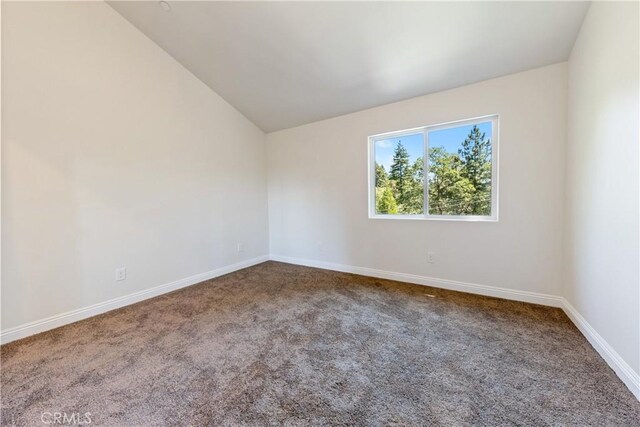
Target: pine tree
<point>382,179</point>
<point>475,155</point>
<point>400,172</point>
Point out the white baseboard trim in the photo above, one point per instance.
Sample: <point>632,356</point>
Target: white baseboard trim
<point>472,288</point>
<point>628,376</point>
<point>62,319</point>
<point>613,359</point>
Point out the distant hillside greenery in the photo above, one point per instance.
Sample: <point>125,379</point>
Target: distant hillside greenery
<point>459,183</point>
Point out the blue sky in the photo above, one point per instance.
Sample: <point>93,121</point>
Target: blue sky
<point>385,148</point>
<point>450,139</point>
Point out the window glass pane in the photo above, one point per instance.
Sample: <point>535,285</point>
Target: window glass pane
<point>399,180</point>
<point>460,170</point>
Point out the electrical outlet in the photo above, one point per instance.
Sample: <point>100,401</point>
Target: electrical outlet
<point>121,274</point>
<point>240,247</point>
<point>431,257</point>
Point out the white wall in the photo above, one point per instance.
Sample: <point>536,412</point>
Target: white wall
<point>602,249</point>
<point>318,189</point>
<point>114,155</point>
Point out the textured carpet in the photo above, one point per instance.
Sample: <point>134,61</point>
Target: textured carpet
<point>278,344</point>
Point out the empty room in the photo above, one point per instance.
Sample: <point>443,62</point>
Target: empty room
<point>314,213</point>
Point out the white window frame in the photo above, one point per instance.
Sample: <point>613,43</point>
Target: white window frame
<point>493,118</point>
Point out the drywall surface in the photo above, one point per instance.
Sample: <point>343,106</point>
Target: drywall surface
<point>114,155</point>
<point>602,248</point>
<point>285,64</point>
<point>318,189</point>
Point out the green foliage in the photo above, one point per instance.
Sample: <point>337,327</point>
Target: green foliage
<point>413,200</point>
<point>476,157</point>
<point>400,172</point>
<point>385,202</point>
<point>459,184</point>
<point>402,190</point>
<point>450,193</point>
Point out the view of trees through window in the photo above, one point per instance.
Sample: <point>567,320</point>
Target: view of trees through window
<point>400,175</point>
<point>459,172</point>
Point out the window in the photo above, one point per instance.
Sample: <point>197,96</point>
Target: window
<point>446,171</point>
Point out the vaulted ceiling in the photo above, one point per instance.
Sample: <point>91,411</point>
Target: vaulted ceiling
<point>284,64</point>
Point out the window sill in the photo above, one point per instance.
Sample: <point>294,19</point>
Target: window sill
<point>436,218</point>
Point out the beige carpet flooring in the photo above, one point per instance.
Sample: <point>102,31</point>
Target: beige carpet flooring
<point>278,344</point>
